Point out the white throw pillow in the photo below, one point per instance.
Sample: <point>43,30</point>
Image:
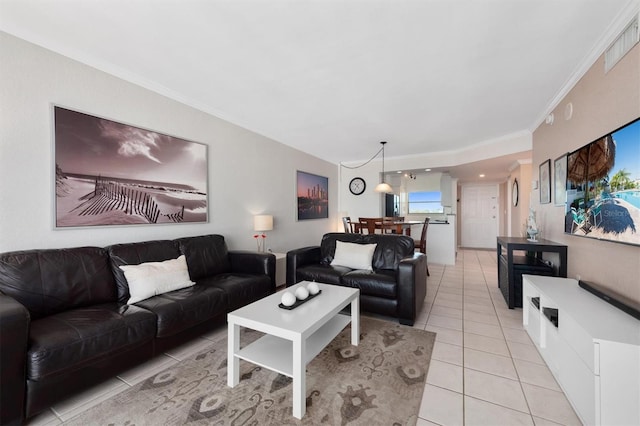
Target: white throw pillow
<point>153,278</point>
<point>354,256</point>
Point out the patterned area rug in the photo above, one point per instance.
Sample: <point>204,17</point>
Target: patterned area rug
<point>378,382</point>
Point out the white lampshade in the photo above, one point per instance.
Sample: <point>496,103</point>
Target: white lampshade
<point>383,187</point>
<point>263,222</point>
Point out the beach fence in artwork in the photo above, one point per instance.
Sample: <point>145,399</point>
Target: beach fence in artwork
<point>109,195</point>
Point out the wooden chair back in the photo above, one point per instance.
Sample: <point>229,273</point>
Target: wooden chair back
<point>369,224</point>
<point>349,227</point>
<point>388,225</point>
<point>422,244</point>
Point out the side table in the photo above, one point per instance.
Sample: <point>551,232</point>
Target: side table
<point>281,269</point>
<point>510,268</point>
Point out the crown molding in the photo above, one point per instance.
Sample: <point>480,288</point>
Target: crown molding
<point>116,71</point>
<point>631,10</point>
<point>519,163</point>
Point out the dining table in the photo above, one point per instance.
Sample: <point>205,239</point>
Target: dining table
<point>400,226</point>
<point>404,226</point>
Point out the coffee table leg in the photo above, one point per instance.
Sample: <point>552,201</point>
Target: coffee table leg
<point>355,321</point>
<point>233,362</point>
<point>299,378</point>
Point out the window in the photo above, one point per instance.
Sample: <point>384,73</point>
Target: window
<point>425,202</point>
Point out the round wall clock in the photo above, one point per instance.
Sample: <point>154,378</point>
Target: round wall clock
<point>357,186</point>
<point>514,192</point>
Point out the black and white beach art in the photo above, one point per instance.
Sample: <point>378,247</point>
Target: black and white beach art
<point>109,173</point>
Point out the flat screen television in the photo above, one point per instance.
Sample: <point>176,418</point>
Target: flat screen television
<point>603,187</point>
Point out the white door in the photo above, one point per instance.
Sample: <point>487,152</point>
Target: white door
<point>479,216</point>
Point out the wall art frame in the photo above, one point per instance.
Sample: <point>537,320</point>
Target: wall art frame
<point>545,182</point>
<point>560,180</point>
<point>108,173</point>
<point>312,196</point>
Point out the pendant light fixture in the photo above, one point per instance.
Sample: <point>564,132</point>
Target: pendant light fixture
<point>383,186</point>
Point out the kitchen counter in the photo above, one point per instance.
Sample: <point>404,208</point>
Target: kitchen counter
<point>441,240</point>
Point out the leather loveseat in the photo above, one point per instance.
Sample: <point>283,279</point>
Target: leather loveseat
<point>65,323</point>
<point>395,286</point>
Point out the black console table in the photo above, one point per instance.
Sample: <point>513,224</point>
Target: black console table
<point>511,268</point>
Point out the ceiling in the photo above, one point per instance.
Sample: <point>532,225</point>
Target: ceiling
<point>495,169</point>
<point>333,78</point>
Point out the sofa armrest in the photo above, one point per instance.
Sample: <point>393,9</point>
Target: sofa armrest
<point>301,257</point>
<point>251,262</point>
<point>412,287</point>
<point>14,335</point>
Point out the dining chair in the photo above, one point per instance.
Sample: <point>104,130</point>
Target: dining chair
<point>349,227</point>
<point>369,224</point>
<point>421,245</point>
<point>388,225</point>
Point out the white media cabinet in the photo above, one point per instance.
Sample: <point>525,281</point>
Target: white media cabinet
<point>593,351</point>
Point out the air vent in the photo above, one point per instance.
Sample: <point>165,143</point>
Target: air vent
<point>621,45</point>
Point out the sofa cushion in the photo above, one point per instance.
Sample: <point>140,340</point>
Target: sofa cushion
<point>182,309</point>
<point>207,255</point>
<point>322,273</point>
<point>73,339</point>
<point>390,251</point>
<point>241,289</point>
<point>382,283</point>
<point>153,278</point>
<point>354,256</point>
<point>47,282</point>
<point>135,254</point>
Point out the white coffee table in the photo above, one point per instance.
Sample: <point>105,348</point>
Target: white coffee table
<point>292,337</point>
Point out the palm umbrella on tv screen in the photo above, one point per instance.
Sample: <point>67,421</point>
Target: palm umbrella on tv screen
<point>591,162</point>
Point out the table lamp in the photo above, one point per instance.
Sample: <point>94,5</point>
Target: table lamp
<point>261,224</point>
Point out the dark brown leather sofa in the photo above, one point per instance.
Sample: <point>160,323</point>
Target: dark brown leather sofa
<point>395,287</point>
<point>65,323</point>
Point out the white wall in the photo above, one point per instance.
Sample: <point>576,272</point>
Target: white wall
<point>520,213</point>
<point>367,204</point>
<point>248,173</point>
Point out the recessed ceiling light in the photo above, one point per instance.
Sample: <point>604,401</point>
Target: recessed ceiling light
<point>427,170</point>
<point>481,174</point>
<point>399,171</point>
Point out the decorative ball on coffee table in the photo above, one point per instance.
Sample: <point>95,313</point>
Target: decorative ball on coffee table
<point>288,298</point>
<point>302,293</point>
<point>313,288</point>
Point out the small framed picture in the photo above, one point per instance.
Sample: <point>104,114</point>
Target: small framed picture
<point>560,180</point>
<point>545,182</point>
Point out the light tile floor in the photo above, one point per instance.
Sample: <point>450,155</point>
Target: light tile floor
<point>484,370</point>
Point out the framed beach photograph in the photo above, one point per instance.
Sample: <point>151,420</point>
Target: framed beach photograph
<point>109,173</point>
<point>312,193</point>
<point>545,182</point>
<point>560,180</point>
